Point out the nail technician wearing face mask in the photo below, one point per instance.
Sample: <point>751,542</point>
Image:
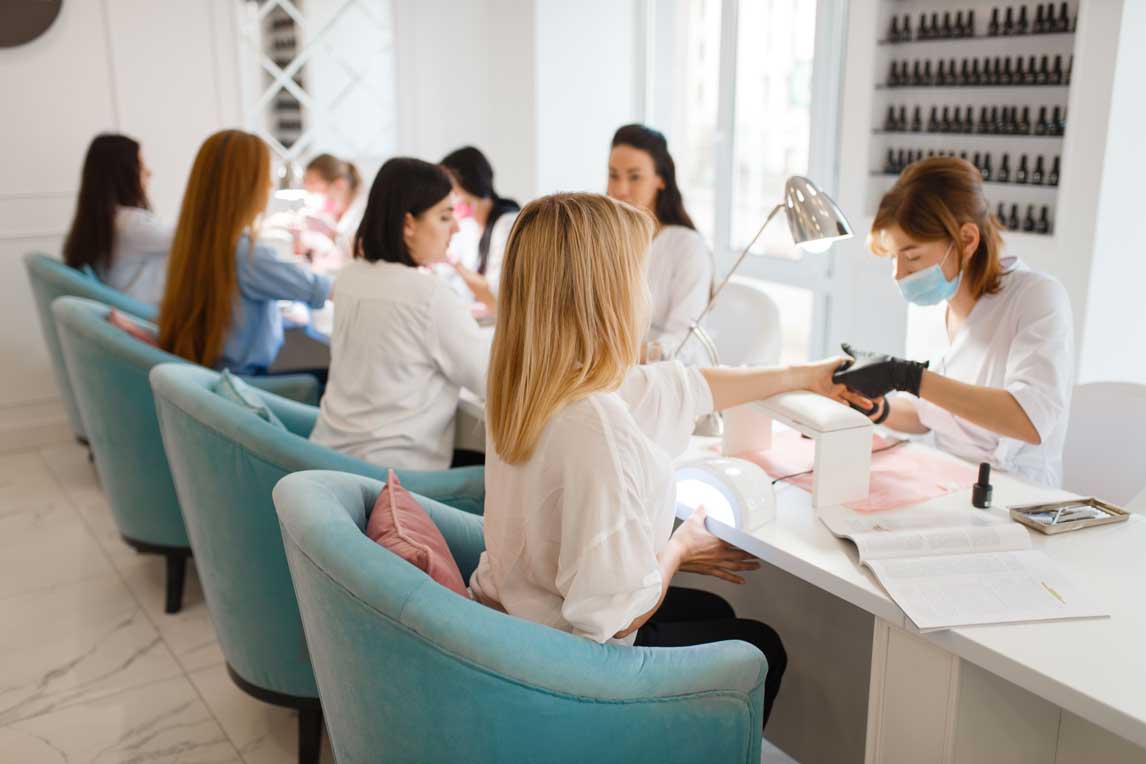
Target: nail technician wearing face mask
<point>999,389</point>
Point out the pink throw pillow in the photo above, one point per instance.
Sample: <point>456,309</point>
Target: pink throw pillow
<point>400,524</point>
<point>120,321</point>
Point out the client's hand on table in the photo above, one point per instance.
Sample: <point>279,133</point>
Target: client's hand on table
<point>874,375</point>
<point>820,377</point>
<point>701,552</point>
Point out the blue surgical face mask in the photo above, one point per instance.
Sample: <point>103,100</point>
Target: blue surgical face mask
<point>930,286</point>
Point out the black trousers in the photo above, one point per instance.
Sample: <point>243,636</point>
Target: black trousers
<point>465,458</point>
<point>694,617</point>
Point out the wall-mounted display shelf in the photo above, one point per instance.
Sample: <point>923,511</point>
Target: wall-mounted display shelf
<point>1000,102</point>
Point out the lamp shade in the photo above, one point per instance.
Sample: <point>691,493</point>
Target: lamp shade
<point>736,492</point>
<point>813,218</point>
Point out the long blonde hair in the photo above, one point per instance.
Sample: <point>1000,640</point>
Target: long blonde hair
<point>226,191</point>
<point>572,309</point>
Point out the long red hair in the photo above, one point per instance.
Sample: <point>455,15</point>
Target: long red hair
<point>228,188</point>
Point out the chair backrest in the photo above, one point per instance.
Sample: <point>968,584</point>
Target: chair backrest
<point>50,279</point>
<point>1103,455</point>
<point>108,369</point>
<point>409,671</point>
<point>225,461</point>
<point>745,324</point>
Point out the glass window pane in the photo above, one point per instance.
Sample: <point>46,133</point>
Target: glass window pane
<point>694,127</point>
<point>772,139</point>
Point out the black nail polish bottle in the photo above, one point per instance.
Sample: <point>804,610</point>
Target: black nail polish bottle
<point>1005,75</point>
<point>889,163</point>
<point>1043,226</point>
<point>1009,22</point>
<point>1024,127</point>
<point>986,169</point>
<point>1052,176</point>
<point>893,33</point>
<point>1032,76</point>
<point>917,120</point>
<point>1044,71</point>
<point>1056,75</point>
<point>889,122</point>
<point>901,123</point>
<point>1029,220</point>
<point>1063,18</point>
<point>941,73</point>
<point>1058,122</point>
<point>1041,126</point>
<point>948,31</point>
<point>924,31</point>
<point>892,76</point>
<point>1001,215</point>
<point>1021,173</point>
<point>1037,173</point>
<point>1039,26</point>
<point>984,121</point>
<point>975,78</point>
<point>1013,220</point>
<point>969,120</point>
<point>905,30</point>
<point>969,29</point>
<point>927,78</point>
<point>993,26</point>
<point>933,120</point>
<point>1004,175</point>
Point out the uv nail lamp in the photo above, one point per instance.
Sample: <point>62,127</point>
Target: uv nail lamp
<point>734,491</point>
<point>842,465</point>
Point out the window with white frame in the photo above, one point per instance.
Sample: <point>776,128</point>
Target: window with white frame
<point>746,91</point>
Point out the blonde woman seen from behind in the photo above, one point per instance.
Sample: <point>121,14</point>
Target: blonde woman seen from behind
<point>579,488</point>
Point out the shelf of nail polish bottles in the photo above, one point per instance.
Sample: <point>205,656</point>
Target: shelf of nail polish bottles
<point>987,81</point>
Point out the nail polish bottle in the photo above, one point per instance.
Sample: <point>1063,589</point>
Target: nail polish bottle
<point>1020,77</point>
<point>986,168</point>
<point>945,121</point>
<point>927,78</point>
<point>993,26</point>
<point>963,155</point>
<point>1069,69</point>
<point>965,73</point>
<point>981,491</point>
<point>958,29</point>
<point>933,120</point>
<point>1063,19</point>
<point>1050,25</point>
<point>889,122</point>
<point>1009,22</point>
<point>893,33</point>
<point>889,163</point>
<point>1032,76</point>
<point>917,120</point>
<point>905,30</point>
<point>1056,75</point>
<point>952,75</point>
<point>892,76</point>
<point>984,121</point>
<point>936,29</point>
<point>1057,124</point>
<point>996,122</point>
<point>1041,126</point>
<point>1001,215</point>
<point>978,161</point>
<point>1040,22</point>
<point>975,77</point>
<point>941,73</point>
<point>948,31</point>
<point>1043,226</point>
<point>1043,74</point>
<point>969,29</point>
<point>1022,26</point>
<point>900,162</point>
<point>1029,220</point>
<point>1013,220</point>
<point>901,123</point>
<point>1005,75</point>
<point>1021,173</point>
<point>969,120</point>
<point>904,77</point>
<point>916,74</point>
<point>1004,175</point>
<point>1052,176</point>
<point>1037,173</point>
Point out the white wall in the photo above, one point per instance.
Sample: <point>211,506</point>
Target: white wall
<point>585,88</point>
<point>465,76</point>
<point>1115,322</point>
<point>104,65</point>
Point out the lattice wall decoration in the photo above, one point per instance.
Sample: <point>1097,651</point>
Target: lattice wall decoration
<point>318,75</point>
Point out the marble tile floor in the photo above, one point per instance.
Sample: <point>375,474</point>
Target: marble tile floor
<point>91,669</point>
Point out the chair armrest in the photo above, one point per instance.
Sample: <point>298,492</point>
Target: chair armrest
<point>296,387</point>
<point>461,487</point>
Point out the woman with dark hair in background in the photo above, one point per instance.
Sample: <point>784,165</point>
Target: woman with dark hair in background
<point>404,343</point>
<point>472,175</point>
<point>680,266</point>
<point>339,184</point>
<point>220,308</point>
<point>114,231</point>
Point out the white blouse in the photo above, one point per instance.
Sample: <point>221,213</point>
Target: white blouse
<point>1020,339</point>
<point>572,535</point>
<point>403,346</point>
<point>680,271</point>
<point>464,248</point>
<point>139,255</point>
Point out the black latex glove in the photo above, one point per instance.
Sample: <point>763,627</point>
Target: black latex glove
<point>873,375</point>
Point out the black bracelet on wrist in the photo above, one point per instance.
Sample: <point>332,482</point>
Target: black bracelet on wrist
<point>884,414</point>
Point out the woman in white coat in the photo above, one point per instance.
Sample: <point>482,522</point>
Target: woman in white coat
<point>404,343</point>
<point>998,390</point>
<point>680,265</point>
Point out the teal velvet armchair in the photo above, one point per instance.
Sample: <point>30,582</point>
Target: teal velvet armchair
<point>408,671</point>
<point>108,369</point>
<point>50,278</point>
<point>225,461</point>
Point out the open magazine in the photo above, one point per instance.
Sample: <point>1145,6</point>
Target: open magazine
<point>947,569</point>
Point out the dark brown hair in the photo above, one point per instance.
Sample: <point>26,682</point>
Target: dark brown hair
<point>111,179</point>
<point>669,204</point>
<point>931,200</point>
<point>403,185</point>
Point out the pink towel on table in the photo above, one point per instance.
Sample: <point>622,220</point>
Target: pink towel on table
<point>900,476</point>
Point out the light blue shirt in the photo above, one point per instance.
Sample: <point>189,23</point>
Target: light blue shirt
<point>257,328</point>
